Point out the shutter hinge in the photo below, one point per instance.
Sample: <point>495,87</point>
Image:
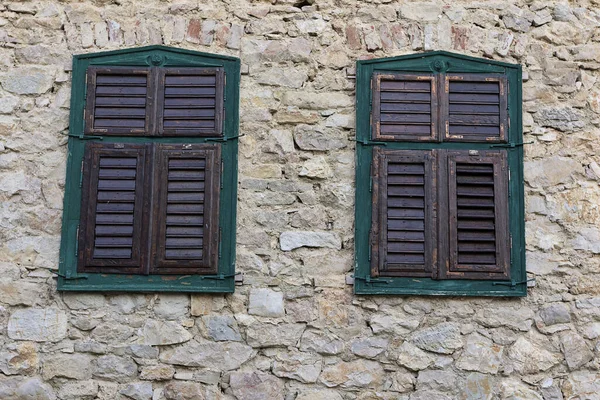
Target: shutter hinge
<point>365,142</point>
<point>511,144</point>
<point>370,280</point>
<point>85,137</point>
<point>513,284</point>
<point>69,276</point>
<point>220,238</point>
<point>77,242</point>
<point>221,277</point>
<point>225,139</point>
<point>81,179</point>
<point>221,174</point>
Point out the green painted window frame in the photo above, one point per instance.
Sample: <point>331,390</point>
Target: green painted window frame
<point>151,56</point>
<point>438,62</point>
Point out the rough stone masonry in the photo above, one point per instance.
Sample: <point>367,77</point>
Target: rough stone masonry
<point>294,330</point>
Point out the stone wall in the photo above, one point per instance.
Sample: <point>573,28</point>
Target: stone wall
<point>294,330</point>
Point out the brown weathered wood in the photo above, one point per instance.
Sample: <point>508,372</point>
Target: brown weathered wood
<point>404,107</point>
<point>113,214</point>
<point>403,231</point>
<point>478,241</point>
<point>474,108</point>
<point>119,101</point>
<point>186,211</point>
<point>190,101</point>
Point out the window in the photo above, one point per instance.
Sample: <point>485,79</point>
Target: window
<point>439,179</point>
<point>150,196</point>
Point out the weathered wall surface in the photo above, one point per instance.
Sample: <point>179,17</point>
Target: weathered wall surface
<point>294,330</point>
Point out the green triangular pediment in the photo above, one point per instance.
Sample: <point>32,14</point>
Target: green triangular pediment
<point>437,62</point>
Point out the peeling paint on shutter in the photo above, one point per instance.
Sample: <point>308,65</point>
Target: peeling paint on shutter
<point>475,108</point>
<point>479,244</point>
<point>404,107</point>
<point>113,209</point>
<point>404,233</point>
<point>186,211</point>
<point>119,101</point>
<point>190,101</point>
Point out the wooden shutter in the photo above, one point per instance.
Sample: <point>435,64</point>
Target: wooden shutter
<point>403,235</point>
<point>479,243</point>
<point>190,101</point>
<point>187,208</point>
<point>405,107</point>
<point>113,216</point>
<point>475,108</point>
<point>119,101</point>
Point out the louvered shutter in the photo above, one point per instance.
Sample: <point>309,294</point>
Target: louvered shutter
<point>187,209</point>
<point>190,101</point>
<point>475,108</point>
<point>479,243</point>
<point>113,216</point>
<point>403,235</point>
<point>119,101</point>
<point>405,107</point>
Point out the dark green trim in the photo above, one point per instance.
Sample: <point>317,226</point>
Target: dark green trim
<point>223,282</point>
<point>428,62</point>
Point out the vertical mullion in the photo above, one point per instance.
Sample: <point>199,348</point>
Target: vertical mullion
<point>431,234</point>
<point>152,100</point>
<point>443,217</point>
<point>379,195</point>
<point>149,216</point>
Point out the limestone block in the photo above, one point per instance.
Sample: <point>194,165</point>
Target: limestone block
<point>115,368</point>
<point>575,350</point>
<point>266,303</point>
<point>138,391</point>
<point>321,342</point>
<point>222,328</point>
<point>77,390</point>
<point>303,367</point>
<point>256,386</point>
<point>269,335</point>
<point>314,138</point>
<point>38,324</point>
<point>353,374</point>
<point>295,239</point>
<point>369,347</point>
<point>443,338</point>
<point>72,366</point>
<point>531,358</point>
<point>160,333</point>
<point>26,388</point>
<point>481,355</point>
<point>28,80</point>
<point>220,356</point>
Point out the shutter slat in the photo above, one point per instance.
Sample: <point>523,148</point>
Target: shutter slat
<point>191,101</point>
<point>185,234</point>
<point>113,215</point>
<point>118,101</point>
<point>403,224</point>
<point>475,108</point>
<point>478,216</point>
<point>404,107</point>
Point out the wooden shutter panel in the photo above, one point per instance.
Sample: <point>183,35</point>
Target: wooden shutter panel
<point>403,235</point>
<point>113,216</point>
<point>119,101</point>
<point>404,107</point>
<point>190,101</point>
<point>475,108</point>
<point>187,209</point>
<point>479,242</point>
